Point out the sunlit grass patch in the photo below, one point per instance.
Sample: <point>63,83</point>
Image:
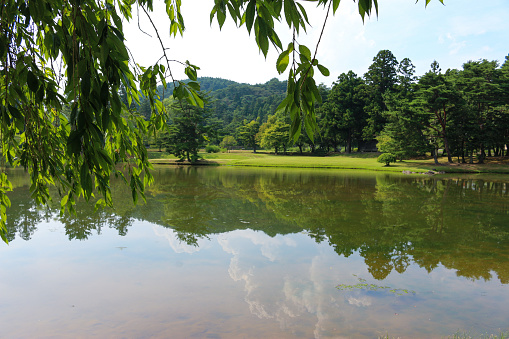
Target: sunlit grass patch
<point>357,161</point>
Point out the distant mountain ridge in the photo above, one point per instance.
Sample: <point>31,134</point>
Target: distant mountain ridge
<point>232,102</point>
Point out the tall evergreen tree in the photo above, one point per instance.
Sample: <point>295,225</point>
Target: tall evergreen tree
<point>437,98</point>
<point>478,81</point>
<point>381,78</point>
<point>189,130</point>
<point>343,114</point>
<point>403,133</point>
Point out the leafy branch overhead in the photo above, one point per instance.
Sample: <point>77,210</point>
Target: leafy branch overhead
<point>63,65</point>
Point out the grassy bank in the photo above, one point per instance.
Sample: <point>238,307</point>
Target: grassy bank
<point>361,161</point>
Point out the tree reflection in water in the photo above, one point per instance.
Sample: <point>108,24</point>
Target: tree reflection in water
<point>390,220</point>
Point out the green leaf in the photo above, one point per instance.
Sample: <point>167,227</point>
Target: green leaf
<point>63,202</point>
<point>190,98</point>
<point>194,85</point>
<point>56,45</point>
<point>39,96</point>
<point>335,5</point>
<point>234,12</point>
<point>74,143</point>
<point>250,14</point>
<point>325,72</point>
<point>99,204</point>
<point>32,81</point>
<point>282,61</point>
<point>305,51</point>
<point>191,73</point>
<point>296,129</point>
<point>221,18</point>
<point>86,181</point>
<point>104,93</point>
<point>85,84</point>
<point>261,36</point>
<point>74,114</point>
<point>303,11</point>
<point>283,106</point>
<point>105,156</point>
<point>15,113</point>
<point>275,39</point>
<point>197,98</point>
<point>310,126</point>
<point>277,5</point>
<point>288,12</point>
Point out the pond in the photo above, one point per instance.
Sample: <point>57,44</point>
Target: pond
<point>232,252</point>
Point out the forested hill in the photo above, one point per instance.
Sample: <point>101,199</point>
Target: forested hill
<point>207,84</point>
<point>232,102</point>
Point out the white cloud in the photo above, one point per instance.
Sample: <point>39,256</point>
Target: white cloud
<point>360,302</point>
<point>290,294</point>
<point>177,245</point>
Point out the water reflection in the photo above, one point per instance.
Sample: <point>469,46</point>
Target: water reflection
<point>391,221</point>
<point>221,252</point>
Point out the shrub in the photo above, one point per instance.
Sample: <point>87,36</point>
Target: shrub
<point>386,158</point>
<point>212,149</point>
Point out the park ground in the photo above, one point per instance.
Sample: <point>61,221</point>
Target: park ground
<point>360,161</point>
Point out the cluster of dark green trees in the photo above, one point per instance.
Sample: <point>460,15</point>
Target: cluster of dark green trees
<point>463,112</point>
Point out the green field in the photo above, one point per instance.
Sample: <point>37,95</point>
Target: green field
<point>363,161</point>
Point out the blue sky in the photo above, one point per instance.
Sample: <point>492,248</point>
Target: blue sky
<point>452,34</point>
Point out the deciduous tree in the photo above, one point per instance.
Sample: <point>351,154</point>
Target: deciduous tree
<point>276,134</point>
<point>228,142</point>
<point>248,134</point>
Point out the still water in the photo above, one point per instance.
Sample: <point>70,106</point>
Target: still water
<point>251,253</point>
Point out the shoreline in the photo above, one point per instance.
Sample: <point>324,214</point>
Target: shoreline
<point>365,162</point>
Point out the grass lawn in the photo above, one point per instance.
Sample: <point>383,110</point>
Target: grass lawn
<point>364,161</point>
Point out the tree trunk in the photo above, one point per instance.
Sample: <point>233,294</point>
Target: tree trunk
<point>349,143</point>
<point>435,156</point>
<point>463,152</point>
<point>446,143</point>
<point>482,155</point>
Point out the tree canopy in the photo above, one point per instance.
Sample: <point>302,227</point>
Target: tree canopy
<point>64,63</point>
